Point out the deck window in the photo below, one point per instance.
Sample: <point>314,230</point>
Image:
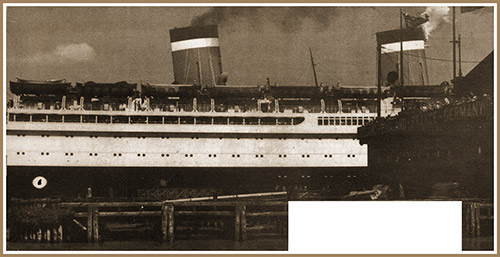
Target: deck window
<point>284,121</point>
<point>120,119</point>
<point>220,121</point>
<point>203,120</point>
<point>55,118</point>
<point>22,117</point>
<point>268,121</point>
<point>39,117</point>
<point>154,120</point>
<point>171,120</point>
<point>103,119</point>
<point>187,120</point>
<point>297,121</point>
<point>236,120</point>
<point>72,118</point>
<point>252,121</point>
<point>88,118</point>
<point>138,119</point>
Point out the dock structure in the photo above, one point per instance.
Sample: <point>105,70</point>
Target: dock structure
<point>231,216</point>
<point>445,144</point>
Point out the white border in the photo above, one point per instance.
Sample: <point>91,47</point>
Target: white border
<point>5,5</point>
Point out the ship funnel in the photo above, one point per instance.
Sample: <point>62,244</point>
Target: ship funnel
<point>196,55</point>
<point>414,60</point>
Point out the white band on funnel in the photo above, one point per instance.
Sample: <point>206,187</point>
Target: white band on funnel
<point>194,43</point>
<point>407,46</point>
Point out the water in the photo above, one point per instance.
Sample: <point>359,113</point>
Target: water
<point>178,245</point>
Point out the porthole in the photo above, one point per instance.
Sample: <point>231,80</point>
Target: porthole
<point>22,153</point>
<point>71,154</point>
<point>143,155</point>
<point>191,155</point>
<point>139,154</point>
<point>186,155</point>
<point>261,156</point>
<point>284,155</point>
<point>308,156</point>
<point>119,154</point>
<point>209,155</point>
<point>162,155</point>
<point>238,156</point>
<point>114,154</point>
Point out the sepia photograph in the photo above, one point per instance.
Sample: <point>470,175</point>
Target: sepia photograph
<point>194,127</point>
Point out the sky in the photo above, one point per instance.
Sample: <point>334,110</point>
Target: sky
<point>110,44</point>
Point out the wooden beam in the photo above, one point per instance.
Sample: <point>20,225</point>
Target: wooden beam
<point>170,211</point>
<point>164,224</point>
<point>95,224</point>
<point>237,222</point>
<point>89,223</point>
<point>243,219</point>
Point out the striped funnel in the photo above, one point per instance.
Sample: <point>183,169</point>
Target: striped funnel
<point>196,55</point>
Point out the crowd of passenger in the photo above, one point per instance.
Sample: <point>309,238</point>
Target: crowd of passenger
<point>414,108</point>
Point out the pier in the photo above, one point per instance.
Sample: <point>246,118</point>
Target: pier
<point>231,217</point>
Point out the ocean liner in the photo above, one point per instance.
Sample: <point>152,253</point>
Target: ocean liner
<point>198,131</point>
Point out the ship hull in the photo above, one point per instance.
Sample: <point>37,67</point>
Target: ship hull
<point>73,182</point>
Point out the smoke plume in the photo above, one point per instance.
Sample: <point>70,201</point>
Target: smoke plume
<point>64,54</point>
<point>437,16</point>
<point>288,20</point>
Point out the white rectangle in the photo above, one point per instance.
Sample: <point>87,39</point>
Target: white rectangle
<point>407,46</point>
<point>375,227</point>
<point>194,43</point>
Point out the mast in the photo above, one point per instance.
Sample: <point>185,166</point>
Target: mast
<point>401,77</point>
<point>454,48</point>
<point>379,80</point>
<point>459,56</point>
<point>401,47</point>
<point>314,69</point>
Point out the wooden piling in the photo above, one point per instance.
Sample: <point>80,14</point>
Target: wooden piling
<point>60,233</point>
<point>170,211</point>
<point>243,219</point>
<point>164,222</point>
<point>237,222</point>
<point>95,224</point>
<point>90,213</point>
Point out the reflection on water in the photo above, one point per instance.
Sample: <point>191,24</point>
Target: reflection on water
<point>483,243</point>
<point>177,245</point>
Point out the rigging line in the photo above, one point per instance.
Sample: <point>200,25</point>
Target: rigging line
<point>438,59</point>
<point>330,72</point>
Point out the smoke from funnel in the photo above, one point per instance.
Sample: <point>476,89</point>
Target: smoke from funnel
<point>437,15</point>
<point>288,19</point>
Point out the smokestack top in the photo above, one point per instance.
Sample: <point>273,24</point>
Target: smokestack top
<point>194,32</point>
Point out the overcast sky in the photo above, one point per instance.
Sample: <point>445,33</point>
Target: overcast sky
<point>109,44</point>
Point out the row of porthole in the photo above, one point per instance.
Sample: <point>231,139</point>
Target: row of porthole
<point>257,138</point>
<point>191,155</point>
